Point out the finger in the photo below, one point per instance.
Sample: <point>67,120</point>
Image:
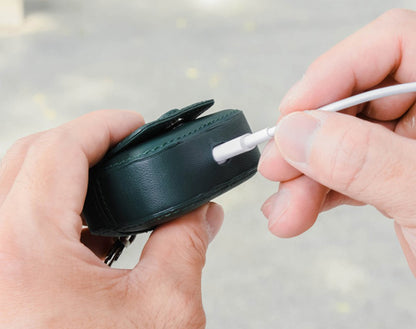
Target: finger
<point>407,124</point>
<point>334,199</point>
<point>12,162</point>
<point>99,245</point>
<point>357,70</point>
<point>390,125</point>
<point>295,207</point>
<point>407,239</point>
<point>96,132</point>
<point>175,252</point>
<point>358,64</point>
<point>274,167</point>
<point>358,67</point>
<point>361,160</point>
<point>54,176</point>
<point>388,108</point>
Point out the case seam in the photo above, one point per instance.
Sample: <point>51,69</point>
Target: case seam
<point>167,143</point>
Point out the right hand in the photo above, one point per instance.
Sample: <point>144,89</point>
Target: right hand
<point>326,159</point>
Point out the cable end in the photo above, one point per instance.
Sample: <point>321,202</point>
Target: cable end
<point>241,144</point>
<point>227,150</point>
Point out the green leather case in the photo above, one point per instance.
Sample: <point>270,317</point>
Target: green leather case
<point>165,169</point>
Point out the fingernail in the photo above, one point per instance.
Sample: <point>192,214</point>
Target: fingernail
<point>214,218</point>
<point>294,136</point>
<point>278,207</point>
<point>269,151</point>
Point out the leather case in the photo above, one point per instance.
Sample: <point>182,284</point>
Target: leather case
<point>165,169</point>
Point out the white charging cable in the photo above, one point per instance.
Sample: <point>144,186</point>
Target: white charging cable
<point>247,142</point>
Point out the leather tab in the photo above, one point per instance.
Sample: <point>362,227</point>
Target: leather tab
<point>167,122</point>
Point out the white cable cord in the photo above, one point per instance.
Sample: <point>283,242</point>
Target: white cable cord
<point>247,142</point>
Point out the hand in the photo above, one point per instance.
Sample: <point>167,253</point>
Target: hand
<point>327,159</point>
<point>49,279</point>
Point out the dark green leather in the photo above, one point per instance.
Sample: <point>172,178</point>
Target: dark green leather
<point>165,169</point>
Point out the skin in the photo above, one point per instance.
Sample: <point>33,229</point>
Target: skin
<point>49,278</point>
<point>323,160</point>
<point>51,274</point>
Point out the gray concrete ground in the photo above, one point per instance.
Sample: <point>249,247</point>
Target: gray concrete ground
<point>72,57</point>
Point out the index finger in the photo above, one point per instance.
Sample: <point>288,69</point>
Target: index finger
<point>381,53</point>
<point>51,184</point>
<point>365,59</point>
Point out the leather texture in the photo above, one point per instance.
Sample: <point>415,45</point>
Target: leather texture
<point>165,169</point>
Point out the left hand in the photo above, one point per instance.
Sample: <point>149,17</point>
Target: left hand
<point>49,279</point>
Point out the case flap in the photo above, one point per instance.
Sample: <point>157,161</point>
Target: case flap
<point>168,121</point>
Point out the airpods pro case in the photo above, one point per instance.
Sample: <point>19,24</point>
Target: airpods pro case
<point>165,169</point>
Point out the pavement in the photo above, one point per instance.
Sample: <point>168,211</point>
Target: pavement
<point>72,57</point>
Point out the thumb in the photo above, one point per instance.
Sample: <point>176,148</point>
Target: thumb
<point>362,160</point>
<point>176,251</point>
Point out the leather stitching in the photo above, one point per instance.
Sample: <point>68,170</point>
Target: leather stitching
<point>188,113</point>
<point>167,143</point>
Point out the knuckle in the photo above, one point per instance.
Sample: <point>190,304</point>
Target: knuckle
<point>56,136</point>
<point>20,146</point>
<point>22,143</point>
<point>349,160</point>
<point>44,142</point>
<point>195,246</point>
<point>16,154</point>
<point>54,145</point>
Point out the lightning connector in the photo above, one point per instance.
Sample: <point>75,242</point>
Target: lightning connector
<point>247,142</point>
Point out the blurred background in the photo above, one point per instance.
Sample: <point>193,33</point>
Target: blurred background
<point>62,59</point>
